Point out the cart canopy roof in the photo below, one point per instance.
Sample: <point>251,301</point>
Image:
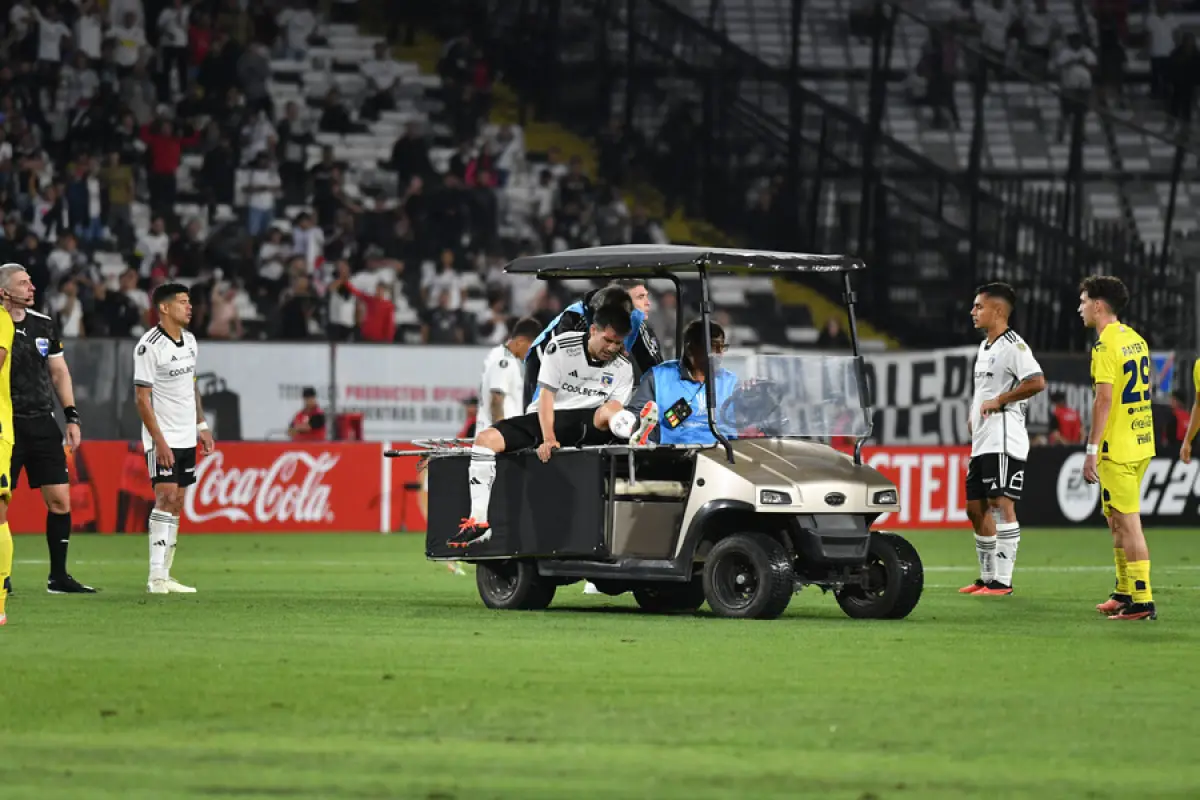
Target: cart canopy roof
<point>637,260</point>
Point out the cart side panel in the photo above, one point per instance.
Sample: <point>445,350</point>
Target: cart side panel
<point>554,509</point>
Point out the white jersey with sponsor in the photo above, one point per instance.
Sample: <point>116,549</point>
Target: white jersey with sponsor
<point>168,367</point>
<point>504,373</point>
<point>577,380</point>
<point>999,368</point>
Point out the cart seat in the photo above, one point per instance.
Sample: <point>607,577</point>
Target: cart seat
<point>667,489</point>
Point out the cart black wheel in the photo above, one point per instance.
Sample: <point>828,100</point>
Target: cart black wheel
<point>748,576</point>
<point>667,598</point>
<point>513,585</point>
<point>893,581</point>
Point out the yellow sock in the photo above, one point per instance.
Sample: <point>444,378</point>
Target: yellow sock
<point>1139,576</point>
<point>6,554</point>
<point>1123,586</point>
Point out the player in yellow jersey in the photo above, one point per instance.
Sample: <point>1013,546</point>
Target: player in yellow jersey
<point>1185,450</point>
<point>1121,441</point>
<point>6,450</point>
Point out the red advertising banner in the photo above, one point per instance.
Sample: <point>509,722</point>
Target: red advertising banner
<point>930,481</point>
<point>266,487</point>
<point>244,487</point>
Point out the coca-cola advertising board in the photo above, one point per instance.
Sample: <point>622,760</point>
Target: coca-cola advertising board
<point>243,487</point>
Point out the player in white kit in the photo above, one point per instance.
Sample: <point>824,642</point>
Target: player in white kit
<point>502,387</point>
<point>1006,376</point>
<point>168,402</point>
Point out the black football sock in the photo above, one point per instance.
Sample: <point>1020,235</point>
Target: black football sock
<point>58,539</point>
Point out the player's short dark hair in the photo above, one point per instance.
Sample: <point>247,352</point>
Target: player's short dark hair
<point>1108,288</point>
<point>167,291</point>
<point>1058,397</point>
<point>308,391</point>
<point>629,283</point>
<point>611,295</point>
<point>614,316</point>
<point>1001,291</point>
<point>693,334</point>
<point>526,327</point>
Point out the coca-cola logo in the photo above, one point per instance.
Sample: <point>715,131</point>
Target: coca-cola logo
<point>290,490</point>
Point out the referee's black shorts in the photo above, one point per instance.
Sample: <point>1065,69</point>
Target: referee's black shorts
<point>39,451</point>
<point>572,428</point>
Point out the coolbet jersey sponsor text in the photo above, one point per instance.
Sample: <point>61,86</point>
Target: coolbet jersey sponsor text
<point>1121,358</point>
<point>1000,367</point>
<point>168,368</point>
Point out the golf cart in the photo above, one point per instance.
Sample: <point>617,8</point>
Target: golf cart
<point>742,523</point>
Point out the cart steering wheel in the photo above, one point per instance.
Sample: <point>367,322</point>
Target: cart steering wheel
<point>756,403</point>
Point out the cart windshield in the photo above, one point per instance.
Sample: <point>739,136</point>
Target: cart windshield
<point>792,395</point>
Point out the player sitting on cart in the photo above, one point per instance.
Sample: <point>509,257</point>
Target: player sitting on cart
<point>641,344</point>
<point>585,380</point>
<point>680,398</point>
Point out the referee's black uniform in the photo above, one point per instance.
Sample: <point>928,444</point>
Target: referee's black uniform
<point>39,441</point>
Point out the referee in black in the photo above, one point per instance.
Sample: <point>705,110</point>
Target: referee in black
<point>39,372</point>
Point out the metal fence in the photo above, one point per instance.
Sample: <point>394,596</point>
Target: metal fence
<point>720,124</point>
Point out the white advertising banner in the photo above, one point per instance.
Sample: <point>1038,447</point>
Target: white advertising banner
<point>260,383</point>
<point>407,392</point>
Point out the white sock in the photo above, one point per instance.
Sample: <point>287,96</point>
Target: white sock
<point>482,473</point>
<point>160,543</point>
<point>172,537</point>
<point>1008,537</point>
<point>985,549</point>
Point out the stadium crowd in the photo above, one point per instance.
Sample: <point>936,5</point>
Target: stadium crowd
<point>101,108</point>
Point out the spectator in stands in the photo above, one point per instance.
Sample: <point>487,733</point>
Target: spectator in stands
<point>140,299</point>
<point>294,137</point>
<point>1161,26</point>
<point>52,34</point>
<point>152,246</point>
<point>446,281</point>
<point>224,320</point>
<point>200,40</point>
<point>67,308</point>
<point>172,48</point>
<point>1073,64</point>
<point>85,201</point>
<point>262,191</point>
<point>379,313</point>
<point>218,71</point>
<point>118,188</point>
<point>217,178</point>
<point>342,306</point>
<point>166,151</point>
<point>443,325</point>
<point>273,254</point>
<point>89,30</point>
<point>185,255</point>
<point>939,66</point>
<point>298,24</point>
<point>65,259</point>
<point>335,118</point>
<point>382,74</point>
<point>129,39</point>
<point>297,310</point>
<point>1185,72</point>
<point>832,337</point>
<point>410,155</point>
<point>253,73</point>
<point>1041,31</point>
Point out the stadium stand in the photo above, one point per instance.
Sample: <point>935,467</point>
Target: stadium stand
<point>305,182</point>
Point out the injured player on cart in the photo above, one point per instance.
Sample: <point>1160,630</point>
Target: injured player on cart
<point>585,380</point>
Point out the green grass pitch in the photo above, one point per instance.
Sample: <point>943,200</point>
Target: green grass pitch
<point>349,667</point>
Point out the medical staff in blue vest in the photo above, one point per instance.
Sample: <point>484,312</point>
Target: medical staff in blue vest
<point>677,389</point>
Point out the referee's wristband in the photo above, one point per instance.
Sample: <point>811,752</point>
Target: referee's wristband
<point>1093,449</point>
<point>72,415</point>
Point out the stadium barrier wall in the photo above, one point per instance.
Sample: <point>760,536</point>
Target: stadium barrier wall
<point>251,389</point>
<point>266,487</point>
